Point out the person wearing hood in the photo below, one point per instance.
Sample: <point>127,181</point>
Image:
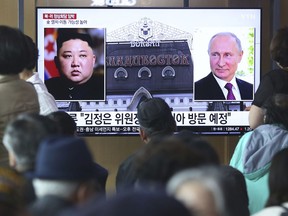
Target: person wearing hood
<point>277,203</point>
<point>255,150</point>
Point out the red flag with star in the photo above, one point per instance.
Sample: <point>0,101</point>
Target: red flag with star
<point>50,52</point>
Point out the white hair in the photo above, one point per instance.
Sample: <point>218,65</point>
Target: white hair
<point>238,42</point>
<point>209,177</point>
<point>64,189</point>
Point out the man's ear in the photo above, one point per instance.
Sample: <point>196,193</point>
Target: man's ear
<point>83,193</point>
<point>143,135</point>
<point>240,56</point>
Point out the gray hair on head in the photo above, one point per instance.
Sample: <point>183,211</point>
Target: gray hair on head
<point>238,42</point>
<point>208,176</point>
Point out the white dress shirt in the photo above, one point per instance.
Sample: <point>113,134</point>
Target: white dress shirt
<point>235,88</point>
<point>46,100</point>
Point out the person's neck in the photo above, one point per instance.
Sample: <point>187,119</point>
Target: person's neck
<point>26,74</point>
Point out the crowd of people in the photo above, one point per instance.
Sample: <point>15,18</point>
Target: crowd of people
<point>46,169</point>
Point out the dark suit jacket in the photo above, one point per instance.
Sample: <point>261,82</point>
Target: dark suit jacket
<point>63,89</point>
<point>208,89</point>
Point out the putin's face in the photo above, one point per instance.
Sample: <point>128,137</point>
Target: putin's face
<point>224,57</point>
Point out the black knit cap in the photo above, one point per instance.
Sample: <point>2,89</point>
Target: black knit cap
<point>154,113</point>
<point>68,34</point>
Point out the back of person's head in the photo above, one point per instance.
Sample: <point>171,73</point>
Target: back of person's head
<point>23,136</point>
<point>279,47</point>
<point>198,144</point>
<point>155,117</point>
<point>278,179</point>
<point>13,51</point>
<point>134,203</point>
<point>66,34</point>
<point>200,190</point>
<point>66,123</point>
<point>32,53</point>
<point>276,110</point>
<point>157,162</point>
<point>65,159</point>
<point>235,191</point>
<point>11,192</point>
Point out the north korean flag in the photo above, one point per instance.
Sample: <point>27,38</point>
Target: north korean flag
<point>50,52</point>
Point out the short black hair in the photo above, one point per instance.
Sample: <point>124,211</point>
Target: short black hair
<point>158,161</point>
<point>200,145</point>
<point>66,123</point>
<point>13,50</point>
<point>65,34</point>
<point>32,53</point>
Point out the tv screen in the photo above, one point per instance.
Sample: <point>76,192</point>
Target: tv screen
<point>139,53</point>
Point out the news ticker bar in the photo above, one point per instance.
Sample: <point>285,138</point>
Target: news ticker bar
<point>212,118</point>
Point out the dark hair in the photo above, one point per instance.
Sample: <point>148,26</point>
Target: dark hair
<point>276,110</point>
<point>198,144</point>
<point>65,122</point>
<point>278,179</point>
<point>134,203</point>
<point>13,50</point>
<point>279,47</point>
<point>234,190</point>
<point>32,53</point>
<point>155,117</point>
<point>65,34</point>
<point>157,162</point>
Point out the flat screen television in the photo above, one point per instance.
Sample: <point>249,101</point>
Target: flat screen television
<point>152,52</point>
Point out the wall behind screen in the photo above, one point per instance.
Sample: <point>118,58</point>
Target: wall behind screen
<point>110,151</point>
<point>6,17</point>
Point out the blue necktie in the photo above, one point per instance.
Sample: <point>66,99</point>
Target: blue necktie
<point>230,95</point>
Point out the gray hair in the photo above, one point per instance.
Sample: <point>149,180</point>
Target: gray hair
<point>23,135</point>
<point>209,177</point>
<point>238,42</point>
<point>63,189</point>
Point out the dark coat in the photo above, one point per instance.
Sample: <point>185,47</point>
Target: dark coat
<point>208,89</point>
<point>62,89</point>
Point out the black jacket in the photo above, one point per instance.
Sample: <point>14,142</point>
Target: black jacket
<point>208,89</point>
<point>62,89</point>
